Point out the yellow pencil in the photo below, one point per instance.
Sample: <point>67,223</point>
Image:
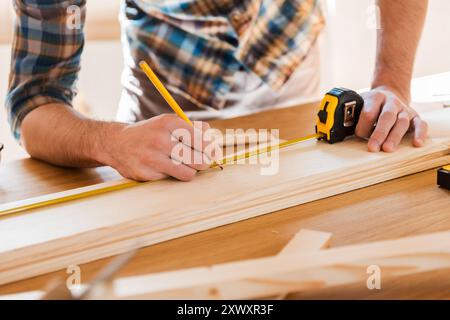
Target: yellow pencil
<point>163,91</point>
<point>168,97</point>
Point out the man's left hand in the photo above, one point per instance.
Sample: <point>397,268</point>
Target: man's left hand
<point>386,118</point>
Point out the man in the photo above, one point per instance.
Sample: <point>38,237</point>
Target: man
<point>220,58</point>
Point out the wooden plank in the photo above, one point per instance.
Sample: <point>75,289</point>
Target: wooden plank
<point>306,240</point>
<point>14,207</point>
<point>314,270</point>
<point>31,178</point>
<point>303,241</point>
<point>240,143</point>
<point>354,217</point>
<point>86,230</point>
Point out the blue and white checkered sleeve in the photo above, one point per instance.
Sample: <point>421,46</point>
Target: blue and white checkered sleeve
<point>47,45</point>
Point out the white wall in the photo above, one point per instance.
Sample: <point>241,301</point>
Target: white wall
<point>433,55</point>
<point>347,59</point>
<point>99,83</point>
<point>349,44</point>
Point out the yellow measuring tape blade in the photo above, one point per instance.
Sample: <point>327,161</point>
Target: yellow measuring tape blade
<point>267,149</point>
<point>55,198</point>
<point>17,207</point>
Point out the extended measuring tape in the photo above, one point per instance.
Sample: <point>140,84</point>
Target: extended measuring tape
<point>337,119</point>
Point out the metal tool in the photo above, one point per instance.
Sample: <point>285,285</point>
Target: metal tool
<point>96,288</point>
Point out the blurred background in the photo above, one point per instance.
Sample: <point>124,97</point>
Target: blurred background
<point>347,49</point>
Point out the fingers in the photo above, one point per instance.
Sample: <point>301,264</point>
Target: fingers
<point>160,166</point>
<point>173,148</point>
<point>373,102</point>
<point>146,149</point>
<point>186,144</point>
<point>193,136</point>
<point>420,131</point>
<point>192,158</point>
<point>156,166</point>
<point>393,120</point>
<point>397,133</point>
<point>145,174</point>
<point>178,170</point>
<point>385,123</point>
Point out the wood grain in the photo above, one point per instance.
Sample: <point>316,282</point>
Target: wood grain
<point>416,205</point>
<point>303,241</point>
<point>237,143</point>
<point>30,178</point>
<point>83,230</point>
<point>306,240</point>
<point>297,272</point>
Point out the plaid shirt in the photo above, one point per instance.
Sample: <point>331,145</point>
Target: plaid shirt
<point>195,46</point>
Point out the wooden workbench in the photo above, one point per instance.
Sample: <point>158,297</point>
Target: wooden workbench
<point>408,206</point>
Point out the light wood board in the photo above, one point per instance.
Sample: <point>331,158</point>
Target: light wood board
<point>303,241</point>
<point>234,145</point>
<point>294,272</point>
<point>306,240</point>
<point>52,238</point>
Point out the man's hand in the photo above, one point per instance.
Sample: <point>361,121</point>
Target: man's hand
<point>387,104</point>
<point>386,118</point>
<point>149,150</point>
<point>159,147</point>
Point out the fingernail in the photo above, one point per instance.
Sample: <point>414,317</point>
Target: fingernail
<point>389,147</point>
<point>374,146</point>
<point>419,142</point>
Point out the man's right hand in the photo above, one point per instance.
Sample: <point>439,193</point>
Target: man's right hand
<point>148,150</point>
<point>157,148</point>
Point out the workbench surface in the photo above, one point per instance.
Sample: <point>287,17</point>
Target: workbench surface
<point>407,206</point>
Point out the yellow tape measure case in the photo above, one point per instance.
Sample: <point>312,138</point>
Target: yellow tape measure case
<point>338,114</point>
<point>443,179</point>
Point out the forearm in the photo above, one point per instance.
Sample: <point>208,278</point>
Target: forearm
<point>398,38</point>
<point>65,137</point>
<point>387,115</point>
<point>142,151</point>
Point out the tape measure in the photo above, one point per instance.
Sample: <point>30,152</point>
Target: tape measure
<point>338,114</point>
<point>443,179</point>
<point>337,119</point>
